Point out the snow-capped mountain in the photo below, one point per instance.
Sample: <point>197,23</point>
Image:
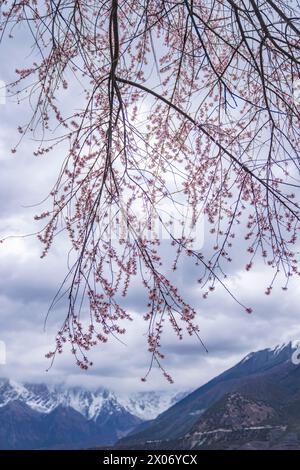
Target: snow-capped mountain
<point>45,398</point>
<point>77,416</point>
<point>148,405</point>
<point>39,416</point>
<point>264,387</point>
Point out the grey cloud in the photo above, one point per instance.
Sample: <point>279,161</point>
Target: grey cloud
<point>27,285</point>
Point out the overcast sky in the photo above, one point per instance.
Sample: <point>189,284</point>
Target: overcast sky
<point>28,285</point>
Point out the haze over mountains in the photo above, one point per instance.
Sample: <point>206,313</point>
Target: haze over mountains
<point>253,405</point>
<point>41,416</point>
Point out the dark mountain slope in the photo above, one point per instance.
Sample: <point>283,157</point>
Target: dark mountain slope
<point>23,428</point>
<point>264,373</point>
<point>20,427</point>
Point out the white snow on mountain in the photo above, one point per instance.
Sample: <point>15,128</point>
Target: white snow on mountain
<point>294,344</point>
<point>274,350</point>
<point>148,405</point>
<point>278,348</point>
<point>45,398</point>
<point>246,358</point>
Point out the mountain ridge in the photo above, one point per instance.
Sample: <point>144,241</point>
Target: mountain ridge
<point>100,416</point>
<point>268,372</point>
<point>254,404</point>
<point>44,398</point>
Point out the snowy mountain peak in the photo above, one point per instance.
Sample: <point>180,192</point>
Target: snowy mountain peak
<point>280,347</point>
<point>45,398</point>
<point>279,352</point>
